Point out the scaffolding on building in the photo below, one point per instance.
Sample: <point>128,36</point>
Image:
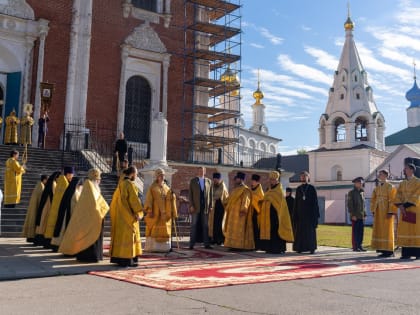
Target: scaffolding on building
<point>212,53</point>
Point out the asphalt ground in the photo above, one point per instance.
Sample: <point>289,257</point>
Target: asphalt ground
<point>36,281</point>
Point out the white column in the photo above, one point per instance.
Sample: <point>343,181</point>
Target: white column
<point>85,56</point>
<point>72,66</point>
<point>27,72</point>
<point>350,134</point>
<point>121,95</point>
<point>158,140</point>
<point>43,31</point>
<point>165,86</point>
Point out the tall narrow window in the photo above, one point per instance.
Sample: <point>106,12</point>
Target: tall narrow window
<point>340,130</point>
<point>361,129</point>
<point>137,111</point>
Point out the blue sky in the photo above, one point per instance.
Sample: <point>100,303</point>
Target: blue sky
<point>297,44</point>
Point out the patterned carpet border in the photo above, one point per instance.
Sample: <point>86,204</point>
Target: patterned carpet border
<point>184,274</point>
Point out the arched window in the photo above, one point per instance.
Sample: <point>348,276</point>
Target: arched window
<point>137,111</point>
<point>252,143</point>
<point>337,173</point>
<point>361,129</point>
<point>149,5</point>
<point>263,147</point>
<point>340,130</point>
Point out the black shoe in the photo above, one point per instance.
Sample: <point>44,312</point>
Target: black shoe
<point>191,247</point>
<point>208,247</point>
<point>383,255</point>
<point>356,250</point>
<point>312,252</point>
<point>405,257</point>
<point>361,249</point>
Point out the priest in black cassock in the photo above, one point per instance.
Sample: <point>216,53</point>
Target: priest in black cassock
<point>305,216</point>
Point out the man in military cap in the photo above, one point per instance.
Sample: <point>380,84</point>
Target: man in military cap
<point>357,211</point>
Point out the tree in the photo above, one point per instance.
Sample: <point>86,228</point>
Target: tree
<point>302,151</point>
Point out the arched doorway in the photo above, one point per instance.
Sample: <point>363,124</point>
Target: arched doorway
<point>138,98</point>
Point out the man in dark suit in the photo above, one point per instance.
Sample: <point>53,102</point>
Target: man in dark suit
<point>200,198</point>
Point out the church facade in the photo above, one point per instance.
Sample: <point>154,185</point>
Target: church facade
<point>112,65</point>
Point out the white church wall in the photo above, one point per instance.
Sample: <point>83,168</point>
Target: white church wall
<point>335,204</point>
<point>353,163</point>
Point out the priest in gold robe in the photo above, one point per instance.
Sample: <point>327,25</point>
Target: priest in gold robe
<point>408,201</point>
<point>238,228</point>
<point>13,180</point>
<point>68,203</point>
<point>257,197</point>
<point>62,184</point>
<point>126,211</point>
<point>161,211</point>
<point>11,132</point>
<point>84,234</point>
<point>220,195</point>
<point>44,209</point>
<point>384,211</point>
<point>26,124</point>
<point>29,225</point>
<point>275,224</point>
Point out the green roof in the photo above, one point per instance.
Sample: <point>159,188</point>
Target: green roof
<point>408,135</point>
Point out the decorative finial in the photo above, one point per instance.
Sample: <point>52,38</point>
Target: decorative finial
<point>348,9</point>
<point>414,69</point>
<point>258,75</point>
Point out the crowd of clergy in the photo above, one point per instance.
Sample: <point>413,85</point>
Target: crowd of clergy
<point>66,213</point>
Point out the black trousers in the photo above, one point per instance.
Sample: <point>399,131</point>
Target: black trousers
<point>357,231</point>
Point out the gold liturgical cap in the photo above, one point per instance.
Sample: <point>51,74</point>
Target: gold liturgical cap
<point>274,175</point>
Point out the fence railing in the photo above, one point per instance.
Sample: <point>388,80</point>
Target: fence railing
<point>88,135</point>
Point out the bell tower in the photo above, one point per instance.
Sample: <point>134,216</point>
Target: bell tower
<point>351,117</point>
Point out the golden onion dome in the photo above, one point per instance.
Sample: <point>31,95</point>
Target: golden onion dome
<point>230,78</point>
<point>258,95</point>
<point>348,25</point>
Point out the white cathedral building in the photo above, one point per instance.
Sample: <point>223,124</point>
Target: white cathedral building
<point>255,143</point>
<point>351,133</point>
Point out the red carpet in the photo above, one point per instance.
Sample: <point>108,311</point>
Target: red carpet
<point>199,273</point>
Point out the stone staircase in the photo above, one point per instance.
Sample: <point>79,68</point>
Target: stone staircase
<point>46,162</point>
<point>41,162</point>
